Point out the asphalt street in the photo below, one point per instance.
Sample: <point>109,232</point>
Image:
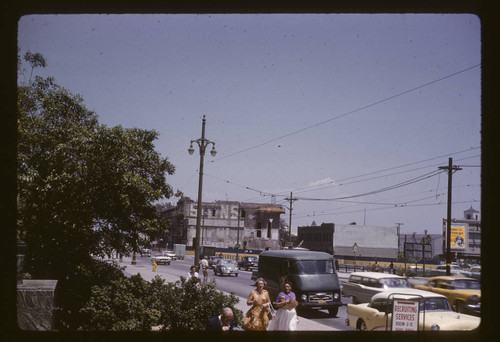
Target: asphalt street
<point>178,268</point>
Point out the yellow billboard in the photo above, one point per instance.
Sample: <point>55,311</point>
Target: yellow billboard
<point>457,237</point>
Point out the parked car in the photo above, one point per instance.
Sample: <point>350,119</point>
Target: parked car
<point>464,294</point>
<point>226,267</point>
<point>161,259</point>
<point>170,254</point>
<point>362,286</point>
<point>248,262</point>
<point>434,312</point>
<point>145,252</point>
<point>440,270</point>
<point>475,272</point>
<point>213,260</point>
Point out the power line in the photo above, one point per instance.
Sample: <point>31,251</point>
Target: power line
<point>346,114</point>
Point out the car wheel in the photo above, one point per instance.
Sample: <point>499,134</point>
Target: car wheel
<point>354,300</point>
<point>236,275</point>
<point>333,311</point>
<point>362,325</point>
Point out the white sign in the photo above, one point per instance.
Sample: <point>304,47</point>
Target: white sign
<point>405,315</point>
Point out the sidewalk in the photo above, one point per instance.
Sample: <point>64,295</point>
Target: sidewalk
<point>148,274</point>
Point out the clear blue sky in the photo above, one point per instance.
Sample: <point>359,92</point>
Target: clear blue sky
<point>330,107</point>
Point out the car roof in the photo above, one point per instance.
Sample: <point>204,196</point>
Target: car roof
<point>375,275</point>
<point>449,278</point>
<point>406,293</point>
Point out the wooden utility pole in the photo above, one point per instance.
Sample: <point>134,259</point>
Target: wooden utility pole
<point>291,199</point>
<point>450,168</point>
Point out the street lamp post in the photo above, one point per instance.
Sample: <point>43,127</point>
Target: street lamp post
<point>202,144</point>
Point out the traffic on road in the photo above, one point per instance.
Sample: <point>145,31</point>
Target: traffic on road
<point>321,319</point>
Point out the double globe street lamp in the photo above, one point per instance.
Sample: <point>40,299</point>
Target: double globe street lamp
<point>202,144</point>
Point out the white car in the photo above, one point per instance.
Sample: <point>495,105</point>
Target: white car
<point>434,312</point>
<point>161,259</point>
<point>170,254</point>
<point>362,286</point>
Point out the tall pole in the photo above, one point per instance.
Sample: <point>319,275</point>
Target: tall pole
<point>238,233</point>
<point>202,143</point>
<point>291,199</point>
<point>450,168</point>
<point>200,192</point>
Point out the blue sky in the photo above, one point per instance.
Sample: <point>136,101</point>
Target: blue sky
<point>330,107</point>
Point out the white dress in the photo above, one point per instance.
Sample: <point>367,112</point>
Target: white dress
<point>285,319</point>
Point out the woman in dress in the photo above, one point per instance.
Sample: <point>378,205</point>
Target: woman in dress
<point>286,316</point>
<point>256,317</point>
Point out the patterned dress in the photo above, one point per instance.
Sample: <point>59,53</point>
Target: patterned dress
<point>256,317</point>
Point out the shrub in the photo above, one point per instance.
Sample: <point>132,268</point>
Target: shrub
<point>135,304</point>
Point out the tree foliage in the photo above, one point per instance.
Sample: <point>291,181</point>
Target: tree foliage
<point>82,185</point>
<point>135,304</point>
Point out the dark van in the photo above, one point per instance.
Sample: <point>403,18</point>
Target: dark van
<point>313,276</point>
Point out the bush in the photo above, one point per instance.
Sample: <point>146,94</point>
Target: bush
<point>135,304</point>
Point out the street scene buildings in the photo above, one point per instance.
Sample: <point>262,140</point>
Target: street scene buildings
<point>225,224</point>
<point>257,227</point>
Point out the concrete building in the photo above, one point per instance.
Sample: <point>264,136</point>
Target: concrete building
<point>255,228</point>
<point>350,240</point>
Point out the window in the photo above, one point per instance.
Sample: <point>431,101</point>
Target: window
<point>259,229</point>
<point>312,267</point>
<point>242,213</point>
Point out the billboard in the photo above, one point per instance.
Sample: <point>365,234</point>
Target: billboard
<point>458,237</point>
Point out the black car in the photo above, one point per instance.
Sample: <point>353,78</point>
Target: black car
<point>248,262</point>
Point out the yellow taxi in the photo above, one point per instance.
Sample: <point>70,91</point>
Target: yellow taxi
<point>464,294</point>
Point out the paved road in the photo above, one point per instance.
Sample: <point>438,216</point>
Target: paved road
<point>241,287</point>
<point>317,320</point>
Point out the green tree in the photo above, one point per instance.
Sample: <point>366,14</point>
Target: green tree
<point>84,189</point>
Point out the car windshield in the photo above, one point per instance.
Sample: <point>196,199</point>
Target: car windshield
<point>226,262</point>
<point>434,304</point>
<point>312,267</point>
<point>395,282</point>
<point>466,284</point>
<point>431,304</point>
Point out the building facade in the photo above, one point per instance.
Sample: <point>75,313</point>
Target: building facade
<point>225,224</point>
<point>350,240</point>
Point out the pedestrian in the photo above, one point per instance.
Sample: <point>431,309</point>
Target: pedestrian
<point>204,269</point>
<point>391,266</point>
<point>193,275</point>
<point>222,322</point>
<point>286,316</point>
<point>154,265</point>
<point>256,317</point>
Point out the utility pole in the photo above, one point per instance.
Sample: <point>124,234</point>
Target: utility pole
<point>238,232</point>
<point>398,232</point>
<point>450,168</point>
<point>291,199</point>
